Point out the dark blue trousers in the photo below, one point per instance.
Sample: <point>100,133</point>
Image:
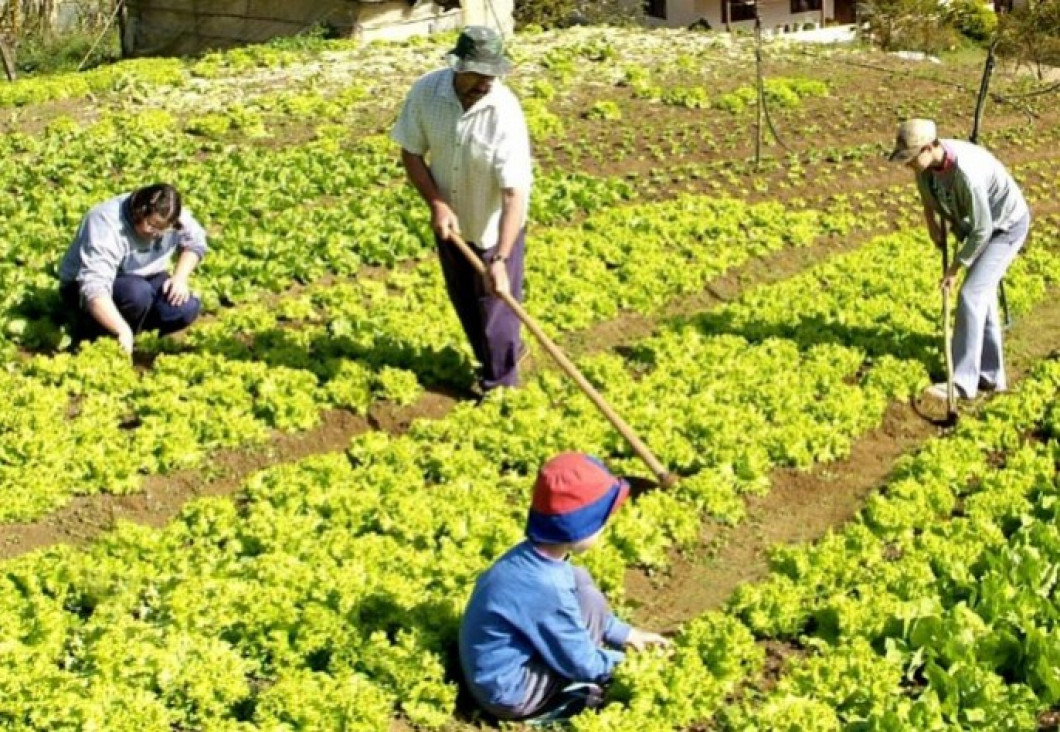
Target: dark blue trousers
<point>142,304</point>
<point>490,325</point>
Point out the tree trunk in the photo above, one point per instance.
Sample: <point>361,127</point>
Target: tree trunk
<point>8,56</point>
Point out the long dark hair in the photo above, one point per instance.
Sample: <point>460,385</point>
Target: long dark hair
<point>161,199</point>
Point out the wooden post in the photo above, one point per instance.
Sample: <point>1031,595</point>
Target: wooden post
<point>759,86</point>
<point>8,57</point>
<point>977,120</point>
<point>14,10</point>
<point>984,87</point>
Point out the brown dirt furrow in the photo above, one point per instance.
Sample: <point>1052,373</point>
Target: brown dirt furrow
<point>163,497</point>
<point>803,505</point>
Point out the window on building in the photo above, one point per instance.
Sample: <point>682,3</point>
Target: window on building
<point>733,11</point>
<point>805,6</point>
<point>655,8</point>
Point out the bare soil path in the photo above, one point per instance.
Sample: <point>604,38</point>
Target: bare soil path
<point>163,496</point>
<point>802,505</point>
<point>726,556</point>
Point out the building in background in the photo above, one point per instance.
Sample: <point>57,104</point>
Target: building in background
<point>186,27</point>
<point>736,14</point>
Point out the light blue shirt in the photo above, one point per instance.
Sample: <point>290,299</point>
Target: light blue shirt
<point>524,610</point>
<point>107,245</point>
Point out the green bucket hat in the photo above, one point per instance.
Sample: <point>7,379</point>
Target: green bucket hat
<point>479,49</point>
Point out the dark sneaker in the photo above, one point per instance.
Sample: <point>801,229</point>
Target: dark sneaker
<point>989,386</point>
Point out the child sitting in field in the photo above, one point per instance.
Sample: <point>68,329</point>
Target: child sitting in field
<point>538,639</point>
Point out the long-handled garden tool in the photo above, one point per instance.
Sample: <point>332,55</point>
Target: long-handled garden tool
<point>947,333</point>
<point>665,477</point>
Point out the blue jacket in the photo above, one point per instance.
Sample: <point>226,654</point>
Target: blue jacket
<point>525,609</point>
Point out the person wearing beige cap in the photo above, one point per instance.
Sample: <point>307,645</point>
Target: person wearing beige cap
<point>968,187</point>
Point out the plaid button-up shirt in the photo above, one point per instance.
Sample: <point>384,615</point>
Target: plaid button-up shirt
<point>473,155</point>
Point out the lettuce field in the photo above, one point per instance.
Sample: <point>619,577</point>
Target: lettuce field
<point>273,520</point>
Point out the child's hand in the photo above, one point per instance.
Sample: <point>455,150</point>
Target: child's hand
<point>639,640</point>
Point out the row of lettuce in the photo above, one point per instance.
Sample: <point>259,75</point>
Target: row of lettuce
<point>327,596</point>
<point>280,217</point>
<point>279,365</point>
<point>936,609</point>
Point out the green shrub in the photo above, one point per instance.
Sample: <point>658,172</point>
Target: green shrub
<point>972,18</point>
<point>907,25</point>
<point>1030,34</point>
<point>41,54</point>
<point>564,13</point>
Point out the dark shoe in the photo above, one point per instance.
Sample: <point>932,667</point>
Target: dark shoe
<point>572,700</point>
<point>989,386</point>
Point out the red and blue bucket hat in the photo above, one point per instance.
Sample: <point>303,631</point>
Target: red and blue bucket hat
<point>574,495</point>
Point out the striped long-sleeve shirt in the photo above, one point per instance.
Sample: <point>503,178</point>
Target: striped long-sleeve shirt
<point>975,193</point>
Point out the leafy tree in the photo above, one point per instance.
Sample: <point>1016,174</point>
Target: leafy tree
<point>563,13</point>
<point>909,25</point>
<point>1030,34</point>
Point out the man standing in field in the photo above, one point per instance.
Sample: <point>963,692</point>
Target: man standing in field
<point>968,187</point>
<point>114,277</point>
<point>477,184</point>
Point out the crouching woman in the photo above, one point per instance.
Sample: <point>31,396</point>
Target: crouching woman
<point>114,278</point>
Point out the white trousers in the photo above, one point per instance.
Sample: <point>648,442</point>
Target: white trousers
<point>977,351</point>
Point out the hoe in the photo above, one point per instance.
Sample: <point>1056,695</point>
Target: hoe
<point>665,478</point>
<point>947,331</point>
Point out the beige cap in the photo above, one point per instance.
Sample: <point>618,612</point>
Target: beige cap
<point>913,135</point>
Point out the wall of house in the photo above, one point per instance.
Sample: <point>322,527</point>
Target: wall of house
<point>395,20</point>
<point>185,27</point>
<point>494,13</point>
<point>774,13</point>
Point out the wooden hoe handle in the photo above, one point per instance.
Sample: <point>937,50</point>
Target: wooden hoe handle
<point>665,477</point>
<point>947,328</point>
